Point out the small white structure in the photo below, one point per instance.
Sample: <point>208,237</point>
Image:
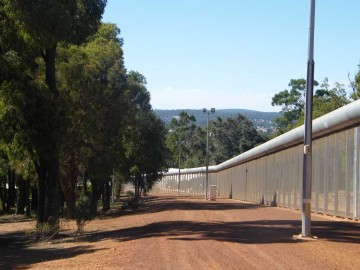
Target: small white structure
<point>212,192</point>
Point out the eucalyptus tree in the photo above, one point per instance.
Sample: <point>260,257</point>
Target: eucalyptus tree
<point>292,102</point>
<point>326,99</point>
<point>231,137</point>
<point>92,80</point>
<point>355,85</point>
<point>329,98</point>
<point>145,153</point>
<point>41,26</point>
<point>22,105</point>
<point>185,142</point>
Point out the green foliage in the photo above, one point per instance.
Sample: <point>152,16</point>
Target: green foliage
<point>328,99</point>
<point>227,138</point>
<point>129,193</point>
<point>292,102</point>
<point>83,213</point>
<point>68,106</point>
<point>263,119</point>
<point>49,22</point>
<point>145,152</point>
<point>355,86</point>
<point>32,111</point>
<point>186,141</point>
<point>46,230</point>
<point>325,100</point>
<point>231,137</point>
<point>92,80</point>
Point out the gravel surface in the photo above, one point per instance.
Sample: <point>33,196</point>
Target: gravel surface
<point>188,233</point>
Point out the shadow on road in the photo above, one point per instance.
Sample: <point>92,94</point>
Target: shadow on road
<point>248,232</point>
<point>155,204</point>
<point>258,232</point>
<point>19,251</point>
<point>240,232</point>
<point>160,204</point>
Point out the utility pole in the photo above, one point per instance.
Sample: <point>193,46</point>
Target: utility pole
<point>307,157</point>
<point>179,167</point>
<point>112,186</point>
<point>212,110</point>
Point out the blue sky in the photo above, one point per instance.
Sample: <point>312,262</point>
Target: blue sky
<point>233,53</point>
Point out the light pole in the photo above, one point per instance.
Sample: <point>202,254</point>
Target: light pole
<point>179,167</point>
<point>112,186</point>
<point>307,157</point>
<point>212,110</point>
<point>179,145</point>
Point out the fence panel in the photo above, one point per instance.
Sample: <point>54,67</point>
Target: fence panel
<point>272,173</point>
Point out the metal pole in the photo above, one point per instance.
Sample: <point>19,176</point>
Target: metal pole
<point>307,158</point>
<point>207,158</point>
<point>112,190</point>
<point>179,169</point>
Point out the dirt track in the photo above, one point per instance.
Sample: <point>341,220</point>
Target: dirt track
<point>188,233</point>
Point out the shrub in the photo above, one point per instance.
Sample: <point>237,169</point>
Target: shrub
<point>47,230</point>
<point>83,213</point>
<point>130,193</point>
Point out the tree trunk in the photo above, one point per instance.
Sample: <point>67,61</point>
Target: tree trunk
<point>50,60</point>
<point>48,168</point>
<point>53,192</point>
<point>136,187</point>
<point>49,196</point>
<point>95,194</point>
<point>34,198</point>
<point>41,192</point>
<point>106,196</point>
<point>22,195</point>
<point>3,198</point>
<point>68,186</point>
<point>11,198</point>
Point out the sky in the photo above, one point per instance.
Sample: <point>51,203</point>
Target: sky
<point>233,54</point>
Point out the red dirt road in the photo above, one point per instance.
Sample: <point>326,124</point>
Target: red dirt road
<point>189,233</point>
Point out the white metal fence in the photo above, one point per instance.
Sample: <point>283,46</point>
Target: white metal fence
<point>272,173</point>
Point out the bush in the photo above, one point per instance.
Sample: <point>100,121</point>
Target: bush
<point>46,230</point>
<point>83,213</point>
<point>129,193</point>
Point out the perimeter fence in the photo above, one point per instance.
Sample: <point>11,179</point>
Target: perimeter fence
<point>272,172</point>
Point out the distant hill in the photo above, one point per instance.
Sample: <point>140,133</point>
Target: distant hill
<point>261,120</point>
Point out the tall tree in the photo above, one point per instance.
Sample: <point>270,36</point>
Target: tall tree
<point>292,102</point>
<point>185,142</point>
<point>326,99</point>
<point>355,85</point>
<point>42,25</point>
<point>144,139</point>
<point>231,137</point>
<point>329,98</point>
<point>92,81</point>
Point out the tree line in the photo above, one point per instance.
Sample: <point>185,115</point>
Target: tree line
<point>228,137</point>
<point>327,97</point>
<point>71,114</point>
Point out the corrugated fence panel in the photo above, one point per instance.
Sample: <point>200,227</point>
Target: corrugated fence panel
<point>275,177</point>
